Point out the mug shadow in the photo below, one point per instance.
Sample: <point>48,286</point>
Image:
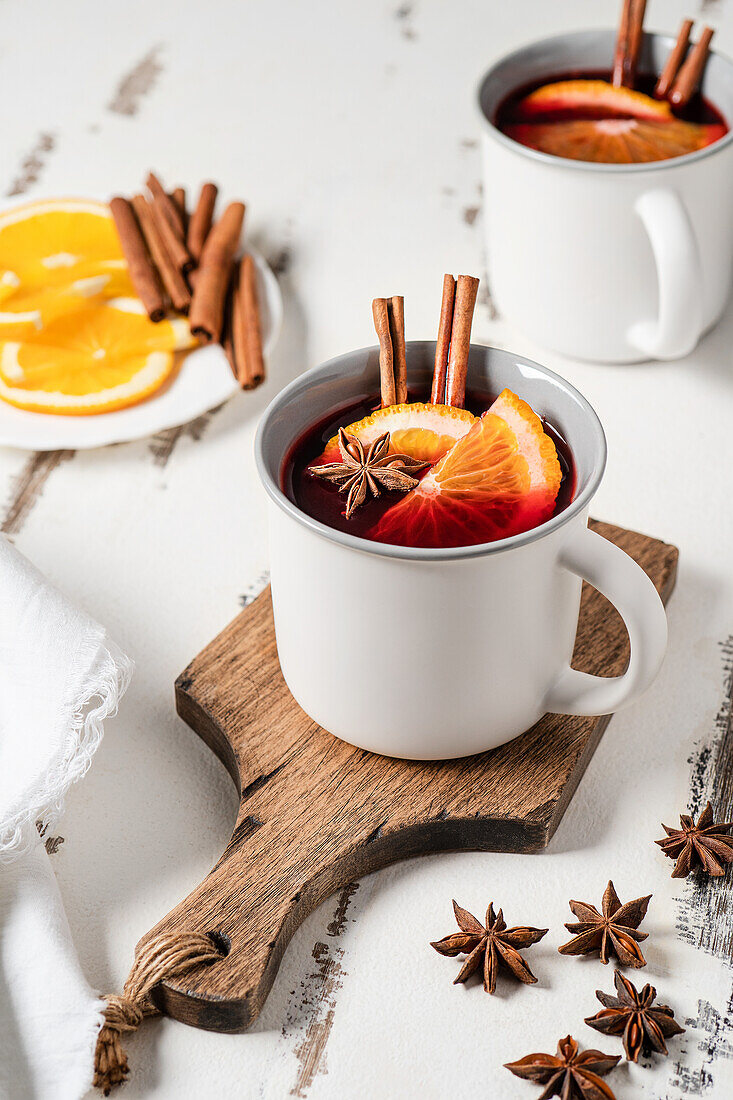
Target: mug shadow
<point>593,812</point>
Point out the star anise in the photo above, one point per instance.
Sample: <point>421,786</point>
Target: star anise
<point>613,931</point>
<point>702,845</point>
<point>643,1024</point>
<point>569,1074</point>
<point>362,472</point>
<point>493,945</point>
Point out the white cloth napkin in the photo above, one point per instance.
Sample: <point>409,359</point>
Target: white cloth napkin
<point>60,677</point>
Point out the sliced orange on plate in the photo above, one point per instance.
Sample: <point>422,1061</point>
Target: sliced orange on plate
<point>53,255</point>
<point>420,430</point>
<point>595,121</point>
<point>501,478</point>
<point>102,356</point>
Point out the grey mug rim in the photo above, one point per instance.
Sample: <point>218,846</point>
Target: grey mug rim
<point>583,165</point>
<point>451,553</point>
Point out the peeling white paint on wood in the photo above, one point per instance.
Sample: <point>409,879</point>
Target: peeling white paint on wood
<point>350,133</point>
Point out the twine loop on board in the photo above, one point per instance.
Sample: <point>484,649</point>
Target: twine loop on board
<point>160,959</point>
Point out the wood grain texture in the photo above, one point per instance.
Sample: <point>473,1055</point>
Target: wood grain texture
<point>317,813</point>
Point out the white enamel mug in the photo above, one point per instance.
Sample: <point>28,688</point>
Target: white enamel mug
<point>615,263</point>
<point>430,654</point>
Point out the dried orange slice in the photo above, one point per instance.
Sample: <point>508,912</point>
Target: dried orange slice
<point>53,256</point>
<point>591,98</point>
<point>423,431</point>
<point>616,140</point>
<point>102,356</point>
<point>500,479</point>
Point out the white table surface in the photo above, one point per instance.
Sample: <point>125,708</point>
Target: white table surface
<point>350,131</point>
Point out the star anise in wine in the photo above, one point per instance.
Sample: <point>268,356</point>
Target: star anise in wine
<point>362,472</point>
<point>643,1024</point>
<point>612,931</point>
<point>493,946</point>
<point>569,1074</point>
<point>703,845</point>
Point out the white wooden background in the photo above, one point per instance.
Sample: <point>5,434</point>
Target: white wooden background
<point>351,132</point>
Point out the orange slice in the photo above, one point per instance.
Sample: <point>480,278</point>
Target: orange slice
<point>593,98</point>
<point>423,431</point>
<point>500,479</point>
<point>53,256</point>
<point>616,140</point>
<point>101,357</point>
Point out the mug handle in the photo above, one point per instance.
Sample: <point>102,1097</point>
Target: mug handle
<point>679,275</point>
<point>618,577</point>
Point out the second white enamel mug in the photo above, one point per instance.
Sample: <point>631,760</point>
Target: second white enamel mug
<point>430,654</point>
<point>609,262</point>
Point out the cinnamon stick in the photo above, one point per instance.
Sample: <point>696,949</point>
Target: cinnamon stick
<point>178,195</point>
<point>675,59</point>
<point>246,327</point>
<point>169,224</point>
<point>380,312</point>
<point>396,313</point>
<point>628,43</point>
<point>690,74</point>
<point>200,223</point>
<point>144,277</point>
<point>207,307</point>
<point>227,333</point>
<point>168,271</point>
<point>460,340</point>
<point>166,203</point>
<point>442,344</point>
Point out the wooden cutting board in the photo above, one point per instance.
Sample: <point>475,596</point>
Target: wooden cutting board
<point>316,813</point>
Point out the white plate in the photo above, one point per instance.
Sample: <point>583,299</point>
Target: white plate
<point>204,381</point>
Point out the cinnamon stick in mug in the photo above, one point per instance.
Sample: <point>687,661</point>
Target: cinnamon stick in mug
<point>246,327</point>
<point>212,277</point>
<point>460,341</point>
<point>628,43</point>
<point>200,223</point>
<point>380,313</point>
<point>144,277</point>
<point>170,274</point>
<point>690,74</point>
<point>673,62</point>
<point>442,344</point>
<point>396,313</point>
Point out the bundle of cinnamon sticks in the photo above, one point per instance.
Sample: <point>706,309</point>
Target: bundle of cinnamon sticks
<point>683,70</point>
<point>451,349</point>
<point>189,264</point>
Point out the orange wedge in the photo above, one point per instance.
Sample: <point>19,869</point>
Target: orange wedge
<point>101,357</point>
<point>423,431</point>
<point>501,478</point>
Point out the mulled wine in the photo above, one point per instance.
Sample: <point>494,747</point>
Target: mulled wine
<point>583,116</point>
<point>526,488</point>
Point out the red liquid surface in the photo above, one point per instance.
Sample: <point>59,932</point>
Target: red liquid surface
<point>699,111</point>
<point>321,499</point>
